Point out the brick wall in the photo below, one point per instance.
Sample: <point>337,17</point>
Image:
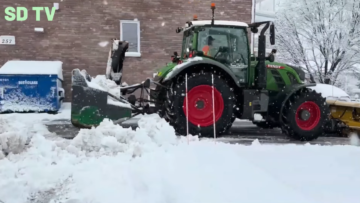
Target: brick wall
<point>79,26</point>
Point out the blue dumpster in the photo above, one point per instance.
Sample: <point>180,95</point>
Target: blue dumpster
<point>31,86</point>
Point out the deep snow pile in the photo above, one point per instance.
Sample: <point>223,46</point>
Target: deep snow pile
<point>12,138</point>
<point>16,129</point>
<point>111,164</point>
<point>110,139</point>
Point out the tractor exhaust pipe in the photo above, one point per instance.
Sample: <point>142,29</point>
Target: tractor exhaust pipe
<point>260,79</point>
<point>260,70</point>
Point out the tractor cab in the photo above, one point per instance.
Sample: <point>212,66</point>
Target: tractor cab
<point>227,42</point>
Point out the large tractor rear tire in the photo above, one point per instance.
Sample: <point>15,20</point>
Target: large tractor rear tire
<point>200,107</point>
<point>305,115</point>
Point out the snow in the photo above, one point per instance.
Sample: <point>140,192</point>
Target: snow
<point>103,43</point>
<point>150,164</point>
<point>219,22</point>
<point>354,139</point>
<point>106,85</point>
<point>179,66</point>
<point>331,92</point>
<point>17,101</point>
<point>17,128</point>
<point>258,117</point>
<point>114,102</point>
<point>100,82</point>
<point>32,68</point>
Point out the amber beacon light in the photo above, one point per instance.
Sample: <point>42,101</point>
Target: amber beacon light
<point>212,9</point>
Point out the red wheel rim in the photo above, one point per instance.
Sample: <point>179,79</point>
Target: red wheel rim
<point>308,115</point>
<point>200,105</point>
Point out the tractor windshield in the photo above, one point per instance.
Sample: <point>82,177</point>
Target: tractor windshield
<point>228,45</point>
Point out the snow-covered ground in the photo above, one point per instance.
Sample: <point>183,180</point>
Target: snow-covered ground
<point>111,164</point>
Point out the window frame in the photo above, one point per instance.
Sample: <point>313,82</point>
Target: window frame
<point>243,29</point>
<point>131,54</point>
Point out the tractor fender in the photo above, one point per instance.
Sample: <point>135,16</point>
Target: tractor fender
<point>283,96</point>
<point>199,61</point>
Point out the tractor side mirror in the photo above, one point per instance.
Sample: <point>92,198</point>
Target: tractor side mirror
<point>271,58</point>
<point>272,34</point>
<point>175,58</point>
<point>254,30</point>
<point>178,30</point>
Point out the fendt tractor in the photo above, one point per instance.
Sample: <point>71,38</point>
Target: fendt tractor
<point>215,67</point>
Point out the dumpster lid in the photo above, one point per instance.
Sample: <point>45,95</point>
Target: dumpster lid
<point>33,68</point>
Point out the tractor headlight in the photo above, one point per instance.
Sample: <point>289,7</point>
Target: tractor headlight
<point>155,74</point>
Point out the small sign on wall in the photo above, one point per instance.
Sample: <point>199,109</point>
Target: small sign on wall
<point>7,40</point>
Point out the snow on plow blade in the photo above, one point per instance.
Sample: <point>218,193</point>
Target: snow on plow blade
<point>91,104</point>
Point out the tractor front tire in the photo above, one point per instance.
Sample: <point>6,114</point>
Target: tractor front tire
<point>305,115</point>
<point>200,108</point>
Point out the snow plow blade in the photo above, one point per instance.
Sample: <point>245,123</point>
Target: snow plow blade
<point>90,104</point>
<point>345,116</point>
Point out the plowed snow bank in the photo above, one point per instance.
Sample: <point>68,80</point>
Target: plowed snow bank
<point>16,129</point>
<point>111,164</point>
<point>112,139</point>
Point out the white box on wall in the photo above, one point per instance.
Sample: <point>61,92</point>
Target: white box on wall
<point>56,5</point>
<point>7,40</point>
<point>39,29</point>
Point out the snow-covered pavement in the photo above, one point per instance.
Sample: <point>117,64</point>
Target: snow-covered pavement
<point>112,164</point>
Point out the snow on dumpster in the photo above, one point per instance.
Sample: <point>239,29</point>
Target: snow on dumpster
<point>31,86</point>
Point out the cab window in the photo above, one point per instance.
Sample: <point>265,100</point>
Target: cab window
<point>187,43</point>
<point>228,45</point>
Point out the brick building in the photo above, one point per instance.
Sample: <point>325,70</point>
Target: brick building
<point>80,30</point>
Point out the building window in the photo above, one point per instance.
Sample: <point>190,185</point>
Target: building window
<point>130,32</point>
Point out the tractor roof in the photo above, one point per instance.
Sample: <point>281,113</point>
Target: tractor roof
<point>216,22</point>
<point>219,22</point>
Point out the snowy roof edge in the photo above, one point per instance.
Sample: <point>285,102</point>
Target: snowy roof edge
<point>220,22</point>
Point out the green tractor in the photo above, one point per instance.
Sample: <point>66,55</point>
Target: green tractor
<point>212,82</point>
